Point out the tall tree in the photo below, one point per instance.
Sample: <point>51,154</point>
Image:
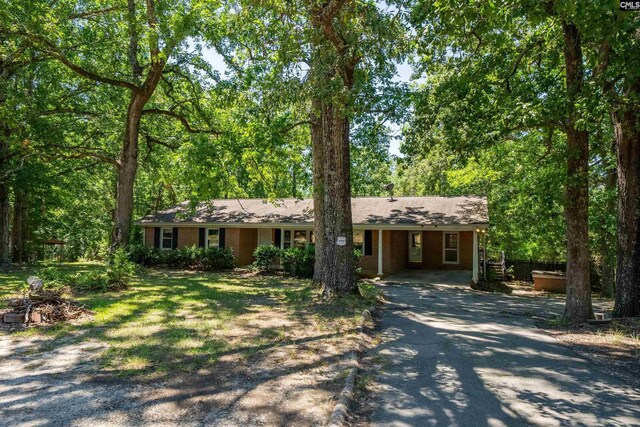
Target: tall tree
<point>507,57</point>
<point>578,307</point>
<point>334,59</point>
<point>614,35</point>
<point>87,41</point>
<point>323,56</point>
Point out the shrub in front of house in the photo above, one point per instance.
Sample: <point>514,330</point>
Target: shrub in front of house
<point>265,257</point>
<point>296,262</point>
<point>299,262</point>
<point>193,257</point>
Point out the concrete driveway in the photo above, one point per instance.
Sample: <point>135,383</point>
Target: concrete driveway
<point>455,357</point>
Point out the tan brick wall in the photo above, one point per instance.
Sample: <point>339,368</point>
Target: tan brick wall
<point>232,241</point>
<point>432,251</point>
<point>187,236</point>
<point>248,240</point>
<point>396,246</point>
<point>149,235</point>
<point>466,250</point>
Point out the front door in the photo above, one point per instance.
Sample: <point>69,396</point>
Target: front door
<point>415,246</point>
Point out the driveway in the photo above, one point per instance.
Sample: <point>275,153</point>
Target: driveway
<point>453,356</point>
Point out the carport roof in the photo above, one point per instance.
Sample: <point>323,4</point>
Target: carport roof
<point>426,210</point>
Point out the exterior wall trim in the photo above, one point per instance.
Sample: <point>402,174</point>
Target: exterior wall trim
<point>310,226</point>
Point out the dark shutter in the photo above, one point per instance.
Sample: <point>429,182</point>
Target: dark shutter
<point>156,237</point>
<point>368,242</point>
<point>174,244</point>
<point>221,238</point>
<point>278,240</point>
<point>202,237</point>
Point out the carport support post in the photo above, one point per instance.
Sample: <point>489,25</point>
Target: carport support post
<point>475,257</point>
<point>380,252</point>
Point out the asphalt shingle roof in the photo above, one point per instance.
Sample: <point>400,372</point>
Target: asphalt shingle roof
<point>427,210</point>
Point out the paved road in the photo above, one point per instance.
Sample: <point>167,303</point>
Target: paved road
<point>456,357</point>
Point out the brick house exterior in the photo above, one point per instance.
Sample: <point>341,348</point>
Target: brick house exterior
<point>406,232</point>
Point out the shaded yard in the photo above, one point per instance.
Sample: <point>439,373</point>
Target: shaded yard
<point>181,348</point>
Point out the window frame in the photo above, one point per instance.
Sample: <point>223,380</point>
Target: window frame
<point>162,238</point>
<point>445,249</point>
<point>292,240</point>
<point>207,241</point>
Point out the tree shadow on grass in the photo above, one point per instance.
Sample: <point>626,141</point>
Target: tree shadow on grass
<point>175,349</point>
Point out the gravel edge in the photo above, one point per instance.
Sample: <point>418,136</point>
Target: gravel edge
<point>340,414</point>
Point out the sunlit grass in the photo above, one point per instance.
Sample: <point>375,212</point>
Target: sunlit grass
<point>169,322</point>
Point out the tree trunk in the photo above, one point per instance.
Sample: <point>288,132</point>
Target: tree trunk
<point>608,239</point>
<point>18,235</point>
<point>127,174</point>
<point>338,267</point>
<point>128,163</point>
<point>626,120</point>
<point>5,134</point>
<point>333,61</point>
<point>318,188</point>
<point>578,305</point>
<point>5,250</point>
<point>5,257</point>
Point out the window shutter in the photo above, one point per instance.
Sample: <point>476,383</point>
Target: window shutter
<point>221,238</point>
<point>368,242</point>
<point>174,244</point>
<point>202,233</point>
<point>278,240</point>
<point>156,237</point>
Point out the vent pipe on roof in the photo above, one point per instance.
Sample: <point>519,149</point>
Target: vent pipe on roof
<point>389,188</point>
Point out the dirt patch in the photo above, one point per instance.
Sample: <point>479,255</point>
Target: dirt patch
<point>614,346</point>
<point>289,377</point>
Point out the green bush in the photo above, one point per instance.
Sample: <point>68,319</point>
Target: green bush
<point>99,279</point>
<point>120,269</point>
<point>265,256</point>
<point>299,262</point>
<point>209,259</point>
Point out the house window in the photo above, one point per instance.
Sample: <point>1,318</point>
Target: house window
<point>213,238</point>
<point>286,239</point>
<point>358,240</point>
<point>296,238</point>
<point>300,238</point>
<point>363,241</point>
<point>451,253</point>
<point>167,238</point>
<point>312,238</point>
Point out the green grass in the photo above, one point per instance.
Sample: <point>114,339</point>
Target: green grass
<point>559,322</point>
<point>168,322</point>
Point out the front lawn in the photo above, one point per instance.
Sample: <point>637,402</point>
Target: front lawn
<point>169,322</point>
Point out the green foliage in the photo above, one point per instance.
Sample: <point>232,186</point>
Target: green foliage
<point>299,262</point>
<point>98,279</point>
<point>120,269</point>
<point>194,258</point>
<point>265,256</point>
